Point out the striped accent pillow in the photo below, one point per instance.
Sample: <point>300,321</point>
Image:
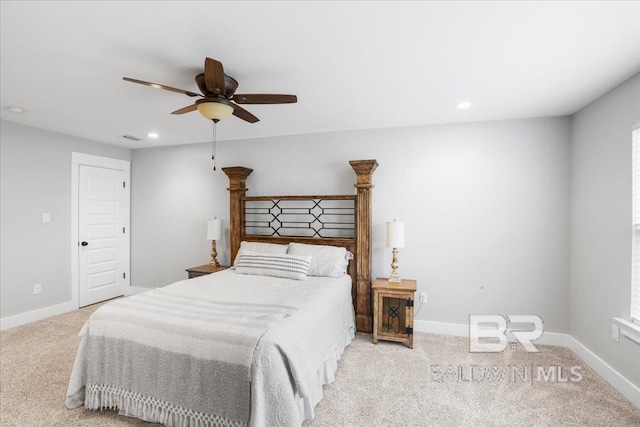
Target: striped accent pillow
<point>278,265</point>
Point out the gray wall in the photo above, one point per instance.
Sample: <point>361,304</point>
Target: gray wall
<point>35,177</point>
<point>486,207</point>
<point>601,224</point>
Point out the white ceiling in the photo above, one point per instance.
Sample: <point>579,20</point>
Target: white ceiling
<point>353,65</point>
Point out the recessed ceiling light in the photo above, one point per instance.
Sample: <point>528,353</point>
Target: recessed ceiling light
<point>17,110</point>
<point>152,135</point>
<point>463,105</point>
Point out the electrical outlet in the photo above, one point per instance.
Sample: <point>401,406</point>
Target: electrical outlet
<point>423,297</point>
<point>37,289</point>
<point>615,333</point>
<point>46,217</point>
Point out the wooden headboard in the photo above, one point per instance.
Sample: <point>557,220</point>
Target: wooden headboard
<point>347,223</point>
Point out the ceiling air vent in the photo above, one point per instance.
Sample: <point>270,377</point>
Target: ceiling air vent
<point>133,138</point>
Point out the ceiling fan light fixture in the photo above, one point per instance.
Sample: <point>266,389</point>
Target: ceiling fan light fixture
<point>218,90</point>
<point>214,110</point>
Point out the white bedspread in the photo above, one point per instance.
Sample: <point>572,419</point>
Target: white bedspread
<point>294,357</point>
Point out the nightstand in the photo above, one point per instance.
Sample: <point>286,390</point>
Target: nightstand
<point>393,310</point>
<point>203,270</point>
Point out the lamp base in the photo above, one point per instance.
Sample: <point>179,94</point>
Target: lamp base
<point>395,276</point>
<point>214,254</point>
<point>394,279</point>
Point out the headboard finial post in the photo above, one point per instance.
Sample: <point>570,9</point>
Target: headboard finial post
<point>237,188</point>
<point>364,171</point>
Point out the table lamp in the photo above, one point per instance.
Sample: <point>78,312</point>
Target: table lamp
<point>395,240</point>
<point>214,232</point>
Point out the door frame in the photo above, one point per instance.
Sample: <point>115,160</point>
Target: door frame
<point>82,159</point>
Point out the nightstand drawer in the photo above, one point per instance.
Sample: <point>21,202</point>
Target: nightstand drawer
<point>203,270</point>
<point>193,274</point>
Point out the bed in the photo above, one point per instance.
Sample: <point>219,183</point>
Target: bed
<point>243,346</point>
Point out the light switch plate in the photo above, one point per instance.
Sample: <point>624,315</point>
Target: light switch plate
<point>46,217</point>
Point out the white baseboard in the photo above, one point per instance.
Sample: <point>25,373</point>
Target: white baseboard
<point>462,330</point>
<point>439,328</point>
<point>42,313</point>
<point>553,338</point>
<point>613,377</point>
<point>133,290</point>
<point>35,315</point>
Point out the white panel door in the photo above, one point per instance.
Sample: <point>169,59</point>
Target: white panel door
<point>101,233</point>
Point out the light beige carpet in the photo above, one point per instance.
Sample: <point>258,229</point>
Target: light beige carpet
<point>376,385</point>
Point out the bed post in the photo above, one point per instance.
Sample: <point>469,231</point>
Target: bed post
<point>237,189</point>
<point>364,170</point>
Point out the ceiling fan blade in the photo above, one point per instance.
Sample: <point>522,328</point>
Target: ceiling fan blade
<point>214,76</point>
<point>243,114</point>
<point>186,109</point>
<point>159,86</point>
<point>264,98</point>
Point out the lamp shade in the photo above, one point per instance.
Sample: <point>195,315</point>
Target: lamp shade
<point>395,234</point>
<point>214,110</point>
<point>214,229</point>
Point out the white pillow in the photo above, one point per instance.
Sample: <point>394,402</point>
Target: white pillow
<point>278,265</point>
<point>326,261</point>
<point>263,248</point>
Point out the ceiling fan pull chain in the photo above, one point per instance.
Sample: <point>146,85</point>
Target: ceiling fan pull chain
<point>213,146</point>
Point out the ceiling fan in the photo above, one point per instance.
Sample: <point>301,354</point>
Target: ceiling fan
<point>218,99</point>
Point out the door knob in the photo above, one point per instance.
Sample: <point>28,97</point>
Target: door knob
<point>84,243</point>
